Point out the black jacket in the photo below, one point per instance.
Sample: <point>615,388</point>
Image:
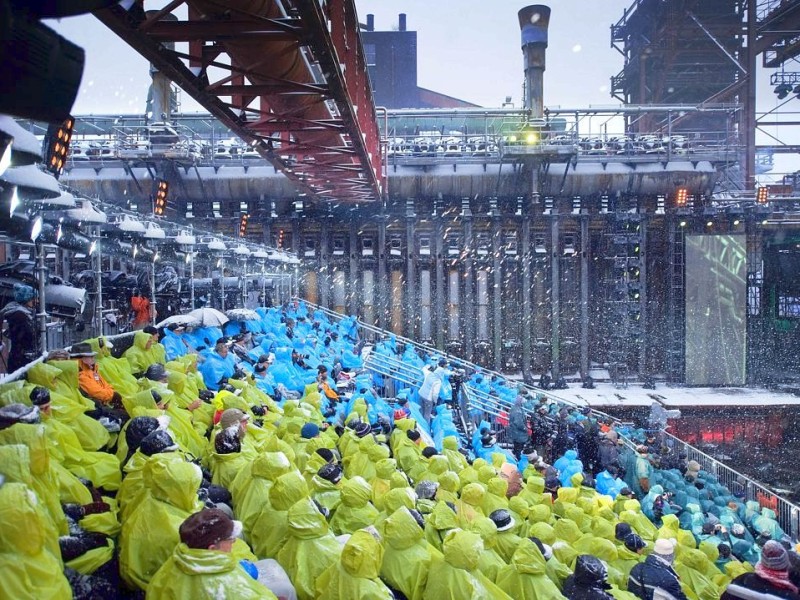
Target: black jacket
<point>750,586</point>
<point>589,580</point>
<point>22,333</point>
<point>654,573</point>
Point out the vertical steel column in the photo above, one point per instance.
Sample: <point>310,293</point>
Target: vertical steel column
<point>412,309</point>
<point>643,353</point>
<point>382,284</point>
<point>525,256</point>
<point>555,296</point>
<point>750,98</point>
<point>41,316</point>
<point>497,272</point>
<point>355,297</point>
<point>191,278</point>
<point>440,297</point>
<point>585,249</point>
<point>468,310</point>
<point>152,295</point>
<point>324,280</point>
<point>98,286</point>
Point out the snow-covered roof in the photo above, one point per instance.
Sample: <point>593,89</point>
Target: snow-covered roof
<point>32,182</point>
<point>25,149</point>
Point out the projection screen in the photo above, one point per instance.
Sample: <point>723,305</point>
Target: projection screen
<point>716,309</point>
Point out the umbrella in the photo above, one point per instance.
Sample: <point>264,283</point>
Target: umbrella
<point>209,317</point>
<point>242,314</point>
<point>180,320</point>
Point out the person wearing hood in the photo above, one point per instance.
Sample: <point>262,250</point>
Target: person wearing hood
<point>357,573</point>
<point>524,576</point>
<point>202,564</point>
<point>21,327</point>
<point>173,342</point>
<point>431,387</point>
<point>507,540</point>
<point>629,554</point>
<point>250,489</point>
<point>356,511</point>
<point>696,572</point>
<point>150,532</point>
<point>455,576</point>
<point>29,568</point>
<point>145,351</point>
<point>770,579</point>
<point>450,449</point>
<point>439,523</point>
<point>656,574</point>
<point>490,562</point>
<point>589,581</point>
<point>270,528</point>
<point>310,548</point>
<point>227,460</point>
<point>518,424</point>
<point>407,557</point>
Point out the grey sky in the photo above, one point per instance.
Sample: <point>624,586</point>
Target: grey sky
<point>469,49</point>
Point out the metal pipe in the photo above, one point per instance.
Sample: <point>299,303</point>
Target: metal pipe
<point>152,290</point>
<point>533,23</point>
<point>191,279</point>
<point>585,246</point>
<point>555,300</point>
<point>222,283</point>
<point>41,316</point>
<point>98,283</point>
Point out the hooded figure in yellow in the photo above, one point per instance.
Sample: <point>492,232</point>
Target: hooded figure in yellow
<point>357,573</point>
<point>469,506</point>
<point>450,449</point>
<point>396,498</point>
<point>525,577</point>
<point>671,528</point>
<point>495,498</point>
<point>270,528</point>
<point>407,557</point>
<point>116,371</point>
<point>439,523</point>
<point>309,549</point>
<point>145,351</point>
<point>101,468</point>
<point>383,481</point>
<point>29,570</point>
<point>363,461</point>
<point>68,405</point>
<point>456,576</point>
<point>202,566</point>
<point>692,566</point>
<point>226,460</point>
<point>250,489</point>
<point>448,487</point>
<point>490,562</point>
<point>519,512</point>
<point>150,533</point>
<point>356,510</point>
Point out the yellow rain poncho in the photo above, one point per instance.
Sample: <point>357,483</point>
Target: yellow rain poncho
<point>225,467</point>
<point>407,557</point>
<point>356,510</point>
<point>395,499</point>
<point>626,560</point>
<point>326,493</point>
<point>456,575</point>
<point>133,488</point>
<point>356,574</point>
<point>150,533</point>
<point>495,498</point>
<point>519,512</point>
<point>671,528</point>
<point>450,449</point>
<point>254,480</point>
<point>309,549</point>
<point>692,566</point>
<point>566,530</point>
<point>606,551</point>
<point>469,506</point>
<point>29,570</point>
<point>540,513</point>
<point>525,576</point>
<point>67,403</point>
<point>507,543</point>
<point>448,487</point>
<point>437,525</point>
<point>490,562</point>
<point>270,528</point>
<point>201,575</point>
<point>383,481</point>
<point>140,356</point>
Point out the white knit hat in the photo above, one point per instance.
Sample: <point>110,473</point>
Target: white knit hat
<point>665,547</point>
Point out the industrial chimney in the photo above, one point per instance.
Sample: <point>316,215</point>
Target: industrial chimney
<point>533,23</point>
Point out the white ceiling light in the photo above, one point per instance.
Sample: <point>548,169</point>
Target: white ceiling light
<point>86,211</point>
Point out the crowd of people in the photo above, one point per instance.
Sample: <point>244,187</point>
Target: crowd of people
<point>261,461</point>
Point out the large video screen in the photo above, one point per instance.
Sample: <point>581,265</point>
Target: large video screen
<point>716,309</point>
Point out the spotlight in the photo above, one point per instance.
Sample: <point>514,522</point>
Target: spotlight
<point>762,195</point>
<point>162,189</point>
<point>14,200</point>
<point>57,142</point>
<point>710,224</point>
<point>681,197</point>
<point>736,222</point>
<point>783,90</point>
<point>683,223</point>
<point>36,228</point>
<point>5,157</point>
<point>243,225</point>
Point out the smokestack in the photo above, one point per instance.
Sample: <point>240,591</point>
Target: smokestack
<point>533,23</point>
<point>370,22</point>
<point>402,22</point>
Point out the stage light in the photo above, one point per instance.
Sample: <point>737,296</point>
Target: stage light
<point>531,138</point>
<point>135,250</point>
<point>92,247</point>
<point>36,228</point>
<point>160,205</point>
<point>681,197</point>
<point>762,195</point>
<point>710,224</point>
<point>683,223</point>
<point>736,222</point>
<point>14,200</point>
<point>243,225</point>
<point>783,90</point>
<point>5,157</point>
<point>57,142</point>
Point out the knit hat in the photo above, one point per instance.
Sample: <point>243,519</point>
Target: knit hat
<point>232,416</point>
<point>23,293</point>
<point>208,527</point>
<point>665,548</point>
<point>774,556</point>
<point>309,430</point>
<point>634,543</point>
<point>413,435</point>
<point>325,453</point>
<point>622,530</point>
